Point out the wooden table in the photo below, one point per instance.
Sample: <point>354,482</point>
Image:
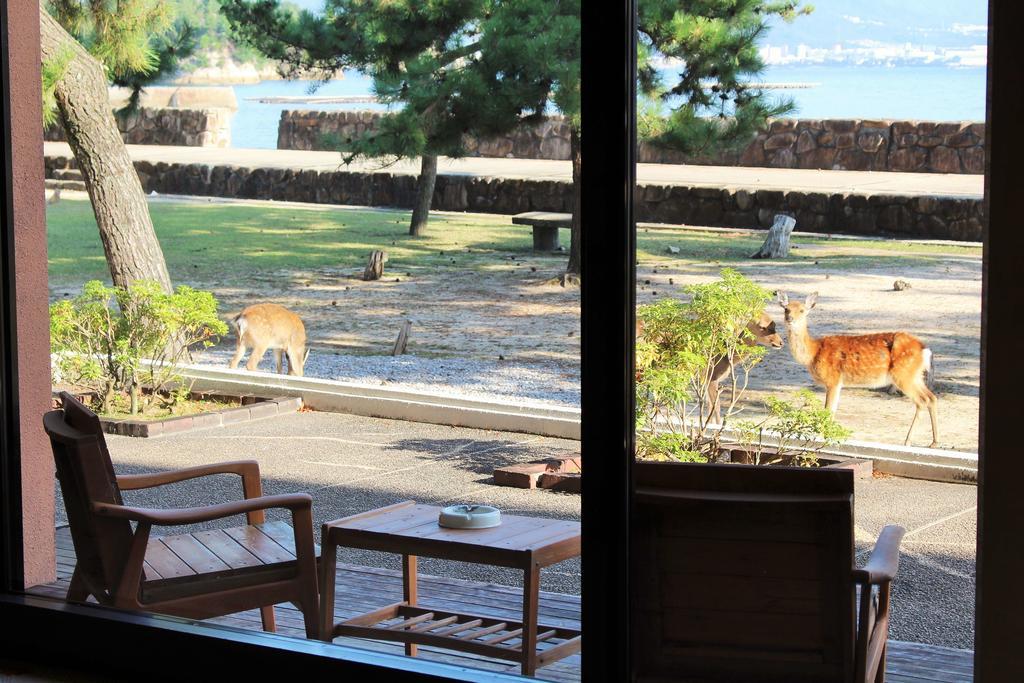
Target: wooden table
<point>411,530</point>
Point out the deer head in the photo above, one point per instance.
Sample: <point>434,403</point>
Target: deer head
<point>763,332</point>
<point>796,312</point>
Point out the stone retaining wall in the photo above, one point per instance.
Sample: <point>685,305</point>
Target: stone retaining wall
<point>306,130</point>
<point>858,214</point>
<point>169,126</point>
<point>855,145</point>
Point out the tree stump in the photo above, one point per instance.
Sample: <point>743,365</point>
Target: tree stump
<point>375,266</point>
<point>403,339</point>
<point>776,245</point>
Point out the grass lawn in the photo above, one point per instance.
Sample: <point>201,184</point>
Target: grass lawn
<point>203,241</point>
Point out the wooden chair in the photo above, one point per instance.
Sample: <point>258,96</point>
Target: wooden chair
<point>198,576</point>
<point>748,574</point>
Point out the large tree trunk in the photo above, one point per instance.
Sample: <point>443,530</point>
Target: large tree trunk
<point>424,194</point>
<point>118,201</point>
<point>575,266</point>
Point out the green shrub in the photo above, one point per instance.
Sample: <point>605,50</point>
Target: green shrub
<point>102,337</point>
<point>676,353</point>
<point>677,350</point>
<point>798,429</point>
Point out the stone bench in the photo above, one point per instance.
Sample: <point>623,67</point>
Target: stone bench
<point>545,227</point>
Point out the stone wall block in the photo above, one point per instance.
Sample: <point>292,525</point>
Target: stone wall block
<point>770,199</point>
<point>753,155</point>
<point>852,159</point>
<point>783,158</point>
<point>871,141</point>
<point>944,160</point>
<point>781,126</point>
<point>907,159</point>
<point>845,140</point>
<point>962,138</point>
<point>973,159</point>
<point>945,128</point>
<point>779,141</point>
<point>805,142</point>
<point>840,125</point>
<point>744,200</point>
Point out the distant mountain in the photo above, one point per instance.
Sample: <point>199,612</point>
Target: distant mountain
<point>939,23</point>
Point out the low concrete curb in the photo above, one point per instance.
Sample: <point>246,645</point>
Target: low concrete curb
<point>375,401</point>
<point>530,418</point>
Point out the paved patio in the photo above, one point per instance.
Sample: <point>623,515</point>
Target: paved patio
<point>351,464</point>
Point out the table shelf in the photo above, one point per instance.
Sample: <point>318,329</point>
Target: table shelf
<point>485,636</point>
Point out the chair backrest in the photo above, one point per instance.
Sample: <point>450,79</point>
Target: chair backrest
<point>86,476</point>
<point>742,573</point>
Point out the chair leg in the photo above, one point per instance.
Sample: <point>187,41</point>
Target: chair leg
<point>267,617</point>
<point>311,618</point>
<point>880,673</point>
<point>77,591</point>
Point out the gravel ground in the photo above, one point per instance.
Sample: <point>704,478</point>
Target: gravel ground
<point>351,464</point>
<point>552,383</point>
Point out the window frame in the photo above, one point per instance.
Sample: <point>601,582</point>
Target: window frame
<point>607,400</point>
<point>606,341</point>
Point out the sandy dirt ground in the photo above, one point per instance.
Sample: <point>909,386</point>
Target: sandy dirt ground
<point>507,310</point>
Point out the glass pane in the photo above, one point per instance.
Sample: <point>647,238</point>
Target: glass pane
<point>809,211</point>
<point>391,222</point>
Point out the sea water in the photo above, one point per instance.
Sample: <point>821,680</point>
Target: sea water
<point>929,93</point>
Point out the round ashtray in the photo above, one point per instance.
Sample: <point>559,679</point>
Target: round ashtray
<point>469,517</point>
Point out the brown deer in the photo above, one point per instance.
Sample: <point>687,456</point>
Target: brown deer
<point>862,360</point>
<point>761,331</point>
<point>269,326</point>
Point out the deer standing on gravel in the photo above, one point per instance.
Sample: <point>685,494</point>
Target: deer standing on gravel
<point>761,331</point>
<point>269,326</point>
<point>863,360</point>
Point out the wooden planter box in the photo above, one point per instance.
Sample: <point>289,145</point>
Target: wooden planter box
<point>565,473</point>
<point>246,407</point>
<point>862,469</point>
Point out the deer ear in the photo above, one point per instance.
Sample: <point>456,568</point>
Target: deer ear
<point>783,299</point>
<point>811,300</point>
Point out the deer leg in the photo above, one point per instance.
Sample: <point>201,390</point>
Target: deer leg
<point>935,425</point>
<point>714,402</point>
<point>295,362</point>
<point>832,397</point>
<point>917,411</point>
<point>279,359</point>
<point>239,352</point>
<point>255,357</point>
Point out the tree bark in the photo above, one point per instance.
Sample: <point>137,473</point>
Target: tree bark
<point>575,266</point>
<point>118,200</point>
<point>424,194</point>
<point>375,265</point>
<point>776,245</point>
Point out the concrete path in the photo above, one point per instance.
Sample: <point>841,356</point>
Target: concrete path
<point>861,182</point>
<point>351,464</point>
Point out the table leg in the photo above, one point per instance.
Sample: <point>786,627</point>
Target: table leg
<point>328,563</point>
<point>409,591</point>
<point>531,586</point>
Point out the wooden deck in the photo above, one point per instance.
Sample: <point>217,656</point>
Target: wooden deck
<point>360,589</point>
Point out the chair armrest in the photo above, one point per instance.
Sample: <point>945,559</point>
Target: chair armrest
<point>174,517</point>
<point>248,470</point>
<point>885,558</point>
<point>243,468</point>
